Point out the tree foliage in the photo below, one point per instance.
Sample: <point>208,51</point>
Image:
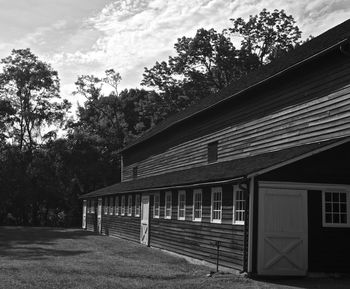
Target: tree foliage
<point>267,34</point>
<point>29,88</point>
<point>202,65</point>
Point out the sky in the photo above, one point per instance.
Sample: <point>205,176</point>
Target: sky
<point>79,37</point>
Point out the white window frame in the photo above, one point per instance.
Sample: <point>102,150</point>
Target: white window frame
<point>122,206</point>
<point>336,190</point>
<point>92,206</point>
<point>156,195</point>
<point>181,193</point>
<point>195,192</point>
<point>130,205</point>
<point>168,209</point>
<point>137,206</point>
<point>106,205</point>
<point>214,191</point>
<point>110,207</point>
<point>116,205</point>
<point>236,189</point>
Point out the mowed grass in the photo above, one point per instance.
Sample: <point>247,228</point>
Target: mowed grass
<point>71,258</point>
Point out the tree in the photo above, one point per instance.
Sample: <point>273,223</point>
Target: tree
<point>203,65</point>
<point>30,108</point>
<point>30,89</point>
<point>209,61</point>
<point>101,114</point>
<point>267,34</point>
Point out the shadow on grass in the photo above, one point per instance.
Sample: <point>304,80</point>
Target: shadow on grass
<point>36,242</point>
<point>308,282</point>
<point>38,253</point>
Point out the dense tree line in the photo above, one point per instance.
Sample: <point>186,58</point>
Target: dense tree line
<point>48,159</point>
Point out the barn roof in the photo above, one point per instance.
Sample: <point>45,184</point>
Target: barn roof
<point>230,170</point>
<point>310,50</point>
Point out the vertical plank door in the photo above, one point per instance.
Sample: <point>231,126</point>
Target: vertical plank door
<point>99,215</point>
<point>144,233</point>
<point>84,214</point>
<point>282,239</point>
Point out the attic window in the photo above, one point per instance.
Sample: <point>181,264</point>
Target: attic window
<point>134,172</point>
<point>212,152</point>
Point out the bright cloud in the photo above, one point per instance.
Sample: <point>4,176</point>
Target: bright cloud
<point>128,35</point>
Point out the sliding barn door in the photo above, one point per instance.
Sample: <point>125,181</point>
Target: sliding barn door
<point>282,239</point>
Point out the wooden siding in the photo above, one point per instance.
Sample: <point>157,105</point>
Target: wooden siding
<point>195,239</point>
<point>329,249</point>
<point>127,227</point>
<point>198,239</point>
<point>320,119</point>
<point>91,222</point>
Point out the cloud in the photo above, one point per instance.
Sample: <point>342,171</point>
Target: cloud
<point>87,37</point>
<point>136,33</point>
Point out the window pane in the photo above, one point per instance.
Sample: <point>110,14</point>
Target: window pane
<point>156,205</point>
<point>335,197</point>
<point>336,218</point>
<point>239,205</point>
<point>343,208</point>
<point>335,207</point>
<point>213,152</point>
<point>343,218</point>
<point>198,204</point>
<point>216,204</point>
<point>343,197</point>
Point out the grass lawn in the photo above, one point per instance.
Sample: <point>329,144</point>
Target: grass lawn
<point>71,258</point>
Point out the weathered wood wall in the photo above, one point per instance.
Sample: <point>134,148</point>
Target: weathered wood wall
<point>127,227</point>
<point>329,248</point>
<point>186,237</point>
<point>91,224</point>
<point>198,239</point>
<point>308,106</point>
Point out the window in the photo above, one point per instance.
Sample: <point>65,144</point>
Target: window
<point>336,207</point>
<point>197,205</point>
<point>116,206</point>
<point>181,205</point>
<point>87,206</point>
<point>238,205</point>
<point>212,152</point>
<point>156,205</point>
<point>216,205</point>
<point>105,208</point>
<point>92,206</point>
<point>137,205</point>
<point>129,205</point>
<point>111,205</point>
<point>134,172</point>
<point>122,209</point>
<point>168,200</point>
